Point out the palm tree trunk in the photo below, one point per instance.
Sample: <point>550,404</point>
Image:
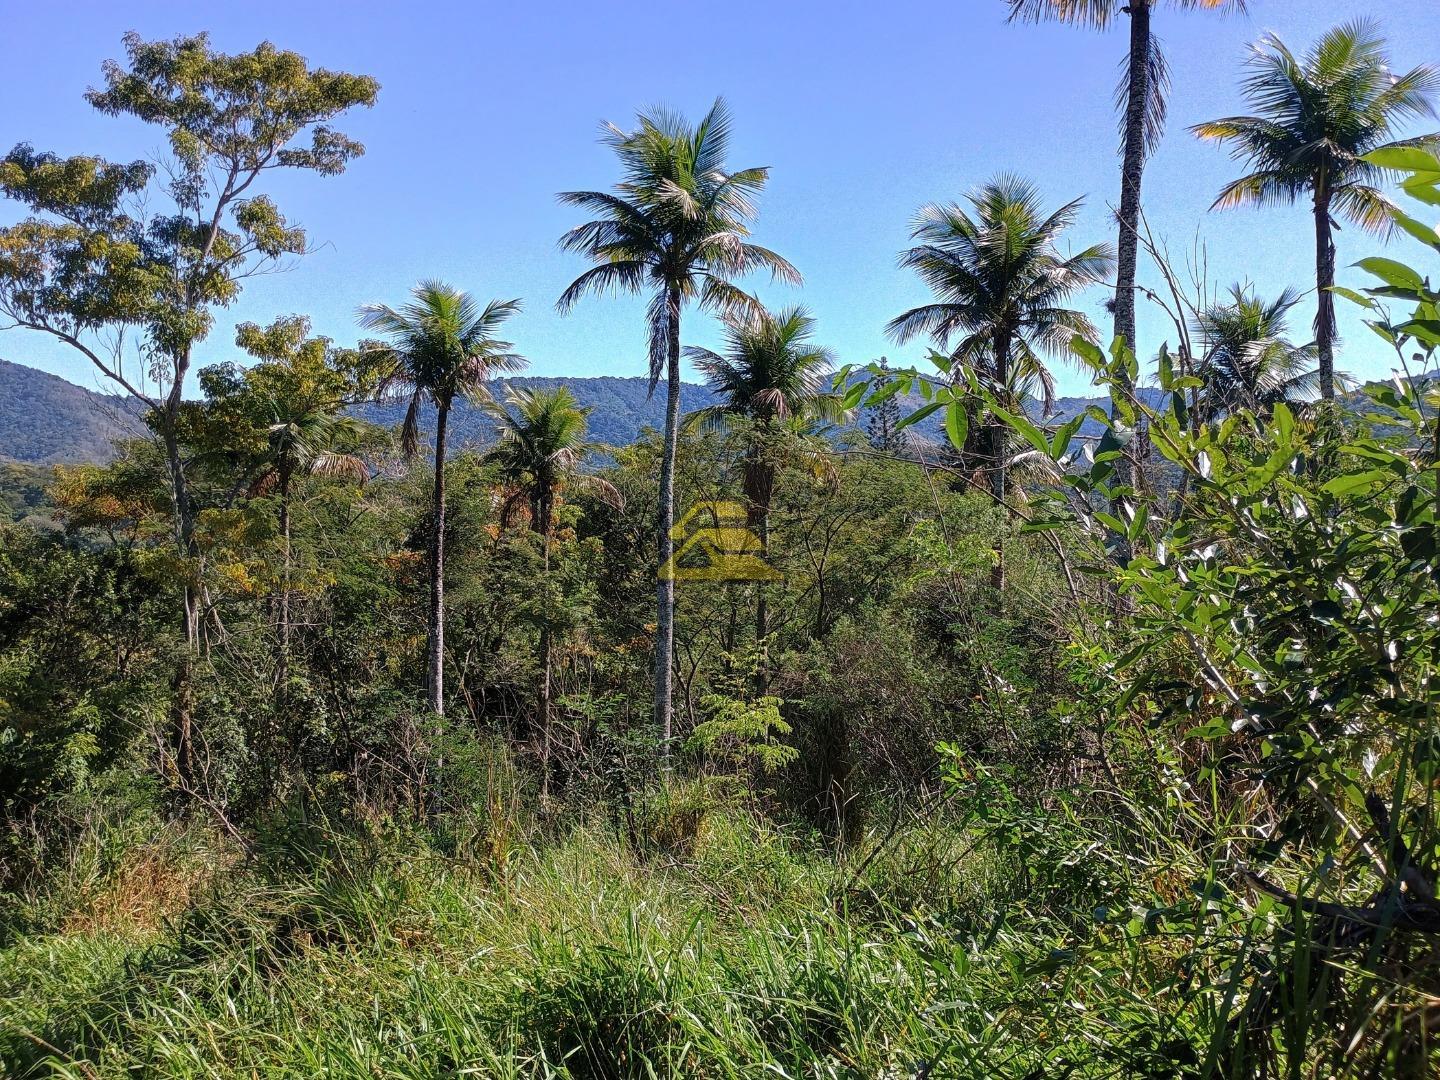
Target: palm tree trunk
<point>1132,173</point>
<point>542,521</point>
<point>665,587</point>
<point>1132,170</point>
<point>1324,280</point>
<point>435,657</point>
<point>997,460</point>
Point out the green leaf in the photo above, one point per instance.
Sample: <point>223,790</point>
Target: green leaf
<point>1392,272</point>
<point>1354,297</point>
<point>855,393</point>
<point>1427,330</point>
<point>1164,368</point>
<point>1284,420</point>
<point>1418,229</point>
<point>1404,159</point>
<point>1353,482</point>
<point>884,393</point>
<point>920,414</point>
<point>957,424</point>
<point>1087,351</point>
<point>1061,443</point>
<point>1028,431</point>
<point>1422,189</point>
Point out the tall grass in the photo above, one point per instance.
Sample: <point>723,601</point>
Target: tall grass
<point>714,944</point>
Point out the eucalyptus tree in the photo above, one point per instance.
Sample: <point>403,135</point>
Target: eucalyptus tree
<point>676,227</point>
<point>1315,118</point>
<point>772,374</point>
<point>440,347</point>
<point>1001,288</point>
<point>126,263</point>
<point>1248,360</point>
<point>542,444</point>
<point>1140,98</point>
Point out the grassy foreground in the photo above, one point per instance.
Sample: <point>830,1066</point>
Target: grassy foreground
<point>730,949</point>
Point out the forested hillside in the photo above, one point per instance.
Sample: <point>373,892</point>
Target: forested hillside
<point>45,420</point>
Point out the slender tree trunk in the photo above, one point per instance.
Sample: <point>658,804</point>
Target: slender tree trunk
<point>762,611</point>
<point>182,704</point>
<point>435,658</point>
<point>282,658</point>
<point>542,522</point>
<point>760,525</point>
<point>1132,173</point>
<point>1324,279</point>
<point>665,587</point>
<point>998,462</point>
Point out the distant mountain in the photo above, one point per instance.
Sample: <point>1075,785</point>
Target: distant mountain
<point>620,407</point>
<point>45,420</point>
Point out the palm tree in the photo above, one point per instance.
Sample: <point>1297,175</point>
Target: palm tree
<point>770,373</point>
<point>1001,287</point>
<point>1141,101</point>
<point>303,437</point>
<point>541,446</point>
<point>675,227</point>
<point>1248,361</point>
<point>441,346</point>
<point>1315,118</point>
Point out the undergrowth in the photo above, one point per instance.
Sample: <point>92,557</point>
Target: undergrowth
<point>715,943</point>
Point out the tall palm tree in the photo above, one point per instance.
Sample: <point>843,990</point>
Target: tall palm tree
<point>676,226</point>
<point>1315,117</point>
<point>1140,99</point>
<point>441,346</point>
<point>770,373</point>
<point>303,437</point>
<point>1248,360</point>
<point>1001,286</point>
<point>540,449</point>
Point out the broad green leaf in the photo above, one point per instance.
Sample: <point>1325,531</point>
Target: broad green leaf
<point>1061,443</point>
<point>1422,189</point>
<point>1028,431</point>
<point>1427,330</point>
<point>920,414</point>
<point>1353,482</point>
<point>957,424</point>
<point>1087,351</point>
<point>1284,420</point>
<point>1354,297</point>
<point>1404,158</point>
<point>1418,229</point>
<point>1392,272</point>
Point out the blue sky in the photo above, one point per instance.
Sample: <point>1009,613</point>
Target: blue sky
<point>863,111</point>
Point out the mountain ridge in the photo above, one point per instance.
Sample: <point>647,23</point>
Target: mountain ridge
<point>48,420</point>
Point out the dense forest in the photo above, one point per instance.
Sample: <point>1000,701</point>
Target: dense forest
<point>843,719</point>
